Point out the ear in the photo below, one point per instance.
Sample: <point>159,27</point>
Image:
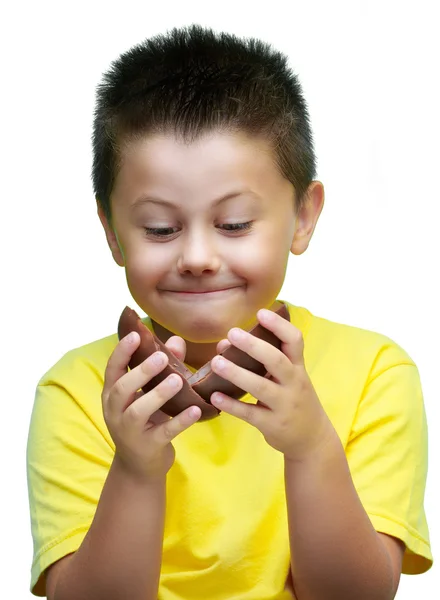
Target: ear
<point>307,218</point>
<point>110,234</point>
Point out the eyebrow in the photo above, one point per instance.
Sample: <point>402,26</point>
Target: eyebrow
<point>144,199</point>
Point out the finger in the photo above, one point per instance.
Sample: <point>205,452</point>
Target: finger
<point>159,417</point>
<point>156,418</point>
<point>222,345</point>
<point>177,345</point>
<point>277,364</point>
<point>117,364</point>
<point>251,413</point>
<point>292,342</point>
<point>168,431</point>
<point>261,388</point>
<point>141,410</point>
<point>124,391</point>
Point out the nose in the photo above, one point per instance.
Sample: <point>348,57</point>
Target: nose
<point>198,255</point>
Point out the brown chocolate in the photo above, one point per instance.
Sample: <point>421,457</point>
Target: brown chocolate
<point>197,387</point>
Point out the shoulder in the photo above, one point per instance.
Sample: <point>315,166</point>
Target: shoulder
<point>357,373</point>
<point>328,340</point>
<point>91,357</point>
<point>69,392</point>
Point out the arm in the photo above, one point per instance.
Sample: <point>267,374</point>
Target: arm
<point>77,484</point>
<point>336,552</point>
<point>120,556</point>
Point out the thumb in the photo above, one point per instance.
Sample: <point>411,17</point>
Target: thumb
<point>177,346</point>
<point>222,345</point>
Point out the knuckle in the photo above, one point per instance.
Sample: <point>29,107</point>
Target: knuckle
<point>133,412</point>
<point>260,387</point>
<point>280,359</point>
<point>247,413</point>
<point>298,337</point>
<point>119,387</point>
<point>168,430</point>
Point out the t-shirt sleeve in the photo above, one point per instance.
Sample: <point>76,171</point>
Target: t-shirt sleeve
<point>69,453</point>
<point>387,452</point>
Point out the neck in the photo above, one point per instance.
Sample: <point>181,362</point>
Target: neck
<point>196,354</point>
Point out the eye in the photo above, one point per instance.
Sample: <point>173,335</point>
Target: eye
<point>165,232</point>
<point>236,227</point>
<point>160,231</point>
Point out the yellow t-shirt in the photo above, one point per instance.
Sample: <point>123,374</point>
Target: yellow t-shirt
<point>226,533</point>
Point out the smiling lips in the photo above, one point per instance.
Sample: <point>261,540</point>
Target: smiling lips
<point>201,291</point>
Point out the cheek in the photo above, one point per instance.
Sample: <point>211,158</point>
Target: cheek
<point>267,265</point>
<point>266,256</point>
<point>146,263</point>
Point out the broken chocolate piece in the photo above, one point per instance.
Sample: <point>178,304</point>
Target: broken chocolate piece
<point>197,387</point>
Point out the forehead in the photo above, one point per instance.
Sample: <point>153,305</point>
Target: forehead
<point>213,159</point>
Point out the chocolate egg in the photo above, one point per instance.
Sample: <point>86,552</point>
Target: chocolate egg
<point>199,386</point>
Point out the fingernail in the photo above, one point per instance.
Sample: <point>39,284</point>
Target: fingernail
<point>158,359</point>
<point>131,337</point>
<point>236,334</point>
<point>219,363</point>
<point>174,380</point>
<point>265,314</point>
<point>217,398</point>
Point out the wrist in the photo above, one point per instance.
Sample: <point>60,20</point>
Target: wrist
<point>328,446</point>
<point>151,478</point>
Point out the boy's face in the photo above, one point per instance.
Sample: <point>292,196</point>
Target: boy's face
<point>204,230</point>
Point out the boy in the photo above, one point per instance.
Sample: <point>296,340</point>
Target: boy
<point>311,486</point>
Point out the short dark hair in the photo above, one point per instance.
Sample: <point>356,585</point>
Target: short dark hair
<point>191,81</point>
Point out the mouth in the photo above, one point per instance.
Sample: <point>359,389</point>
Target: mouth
<point>196,293</point>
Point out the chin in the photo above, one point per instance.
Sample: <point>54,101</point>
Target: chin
<point>202,331</point>
<point>204,336</point>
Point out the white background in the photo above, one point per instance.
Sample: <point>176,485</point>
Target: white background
<point>370,72</point>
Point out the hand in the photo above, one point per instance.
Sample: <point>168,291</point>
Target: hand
<point>288,412</point>
<point>142,433</point>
